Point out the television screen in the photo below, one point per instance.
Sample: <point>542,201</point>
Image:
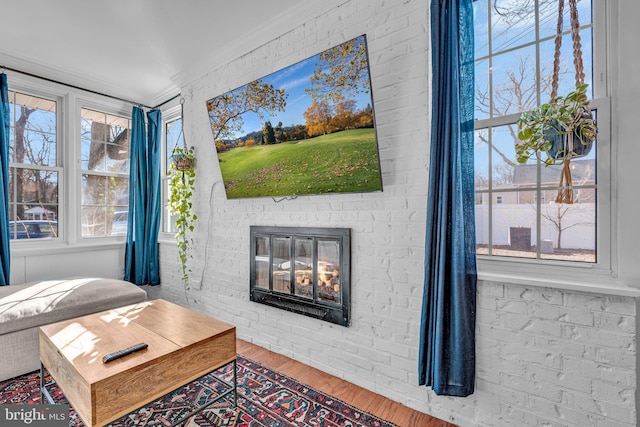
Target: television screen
<point>306,129</point>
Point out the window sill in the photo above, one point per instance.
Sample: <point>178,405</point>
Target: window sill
<point>60,246</point>
<point>576,278</point>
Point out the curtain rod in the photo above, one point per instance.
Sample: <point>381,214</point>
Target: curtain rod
<point>2,67</point>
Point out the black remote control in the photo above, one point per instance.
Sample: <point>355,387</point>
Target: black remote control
<point>121,353</point>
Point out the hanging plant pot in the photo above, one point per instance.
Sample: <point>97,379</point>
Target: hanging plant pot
<point>182,176</point>
<point>563,147</point>
<point>182,162</point>
<point>563,129</point>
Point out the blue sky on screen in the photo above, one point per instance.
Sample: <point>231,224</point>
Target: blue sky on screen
<point>294,80</point>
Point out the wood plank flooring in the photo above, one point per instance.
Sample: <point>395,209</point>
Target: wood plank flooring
<point>350,393</point>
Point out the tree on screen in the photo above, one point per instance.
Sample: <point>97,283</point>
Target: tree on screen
<point>225,111</point>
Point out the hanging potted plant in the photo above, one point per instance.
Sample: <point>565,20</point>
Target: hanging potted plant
<point>182,178</point>
<point>181,190</point>
<point>564,128</point>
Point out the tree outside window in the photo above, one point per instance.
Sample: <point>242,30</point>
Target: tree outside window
<point>34,171</point>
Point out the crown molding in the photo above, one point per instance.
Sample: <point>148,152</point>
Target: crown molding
<point>68,77</point>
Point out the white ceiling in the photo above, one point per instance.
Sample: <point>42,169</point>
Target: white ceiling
<point>140,50</point>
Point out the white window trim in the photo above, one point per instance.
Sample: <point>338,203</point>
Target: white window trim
<point>30,87</point>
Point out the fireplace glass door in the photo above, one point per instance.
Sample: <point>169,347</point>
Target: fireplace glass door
<point>328,271</point>
<point>305,270</point>
<point>281,264</point>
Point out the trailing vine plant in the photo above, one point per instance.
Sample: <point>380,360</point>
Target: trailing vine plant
<point>182,178</point>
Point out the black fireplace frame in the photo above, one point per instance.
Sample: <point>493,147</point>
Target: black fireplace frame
<point>338,313</point>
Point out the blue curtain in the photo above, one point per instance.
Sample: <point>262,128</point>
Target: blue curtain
<point>141,253</point>
<point>154,202</point>
<point>447,339</point>
<point>5,259</point>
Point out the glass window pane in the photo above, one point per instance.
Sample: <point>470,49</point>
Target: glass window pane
<point>548,12</point>
<point>92,155</point>
<point>33,229</point>
<point>512,24</point>
<point>514,82</point>
<point>568,230</point>
<point>117,130</point>
<point>482,224</point>
<point>174,138</point>
<point>329,271</point>
<point>33,130</point>
<point>482,96</point>
<point>117,158</point>
<point>481,23</point>
<point>566,76</point>
<point>93,125</point>
<point>119,220</point>
<point>513,228</point>
<point>481,159</point>
<point>503,154</point>
<point>39,148</point>
<point>118,192</point>
<point>169,221</point>
<point>33,195</point>
<point>93,221</point>
<point>94,190</point>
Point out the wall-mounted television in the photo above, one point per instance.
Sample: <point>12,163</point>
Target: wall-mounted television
<point>306,129</point>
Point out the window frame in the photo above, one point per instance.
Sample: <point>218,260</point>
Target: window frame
<point>40,91</point>
<point>69,102</point>
<point>567,273</point>
<point>107,109</point>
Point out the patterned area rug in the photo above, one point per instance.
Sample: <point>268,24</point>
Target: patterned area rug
<point>266,398</point>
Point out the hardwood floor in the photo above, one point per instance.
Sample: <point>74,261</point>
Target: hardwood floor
<point>350,393</point>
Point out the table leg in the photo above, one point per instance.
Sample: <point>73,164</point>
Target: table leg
<point>45,397</point>
<point>41,383</point>
<point>235,384</point>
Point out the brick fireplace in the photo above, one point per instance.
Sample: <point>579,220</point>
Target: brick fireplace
<point>305,270</point>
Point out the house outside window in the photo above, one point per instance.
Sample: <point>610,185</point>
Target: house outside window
<point>514,55</point>
<point>104,161</point>
<point>34,172</point>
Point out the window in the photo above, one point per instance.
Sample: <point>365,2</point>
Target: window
<point>514,54</point>
<point>34,171</point>
<point>104,161</point>
<point>173,138</point>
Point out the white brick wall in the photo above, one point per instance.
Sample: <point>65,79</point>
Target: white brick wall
<point>555,357</point>
<point>545,357</point>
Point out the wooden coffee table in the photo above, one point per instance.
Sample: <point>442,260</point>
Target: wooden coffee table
<point>183,346</point>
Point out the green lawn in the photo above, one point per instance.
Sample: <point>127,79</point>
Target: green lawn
<point>344,161</point>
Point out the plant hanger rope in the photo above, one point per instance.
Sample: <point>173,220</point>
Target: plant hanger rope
<point>565,191</point>
<point>577,46</point>
<point>183,163</point>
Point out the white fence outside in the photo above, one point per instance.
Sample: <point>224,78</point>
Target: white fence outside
<point>578,222</point>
